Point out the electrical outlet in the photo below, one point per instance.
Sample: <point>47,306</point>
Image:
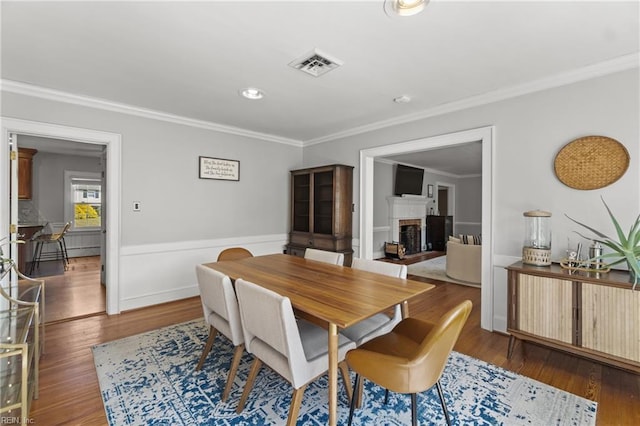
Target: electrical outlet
<point>136,206</point>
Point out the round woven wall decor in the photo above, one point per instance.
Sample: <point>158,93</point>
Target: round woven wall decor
<point>591,162</point>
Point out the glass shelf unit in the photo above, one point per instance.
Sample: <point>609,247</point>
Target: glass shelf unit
<point>21,343</point>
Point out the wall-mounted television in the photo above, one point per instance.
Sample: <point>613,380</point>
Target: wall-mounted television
<point>408,180</point>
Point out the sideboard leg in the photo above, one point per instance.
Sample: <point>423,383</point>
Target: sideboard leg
<point>512,342</point>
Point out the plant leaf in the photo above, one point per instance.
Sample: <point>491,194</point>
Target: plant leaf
<point>621,236</point>
<point>598,233</point>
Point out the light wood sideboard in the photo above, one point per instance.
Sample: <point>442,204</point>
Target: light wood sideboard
<point>594,315</point>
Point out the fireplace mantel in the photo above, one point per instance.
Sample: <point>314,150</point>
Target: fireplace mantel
<point>406,208</point>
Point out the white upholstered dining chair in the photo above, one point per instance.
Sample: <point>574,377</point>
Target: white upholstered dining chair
<point>380,323</point>
<point>221,312</point>
<point>295,349</point>
<point>324,256</point>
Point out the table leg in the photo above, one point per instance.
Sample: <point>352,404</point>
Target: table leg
<point>405,309</point>
<point>333,374</point>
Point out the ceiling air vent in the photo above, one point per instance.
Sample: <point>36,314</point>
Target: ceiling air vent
<point>316,63</point>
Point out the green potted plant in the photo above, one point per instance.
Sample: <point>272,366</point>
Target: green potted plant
<point>625,249</point>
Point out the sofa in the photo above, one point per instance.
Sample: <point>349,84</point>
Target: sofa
<point>464,261</point>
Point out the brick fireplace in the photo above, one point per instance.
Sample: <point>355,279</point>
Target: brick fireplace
<point>407,222</point>
<point>410,235</point>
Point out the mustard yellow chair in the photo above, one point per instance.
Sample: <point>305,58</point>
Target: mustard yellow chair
<point>234,253</point>
<point>410,358</point>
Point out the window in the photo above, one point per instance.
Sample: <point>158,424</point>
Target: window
<point>87,205</point>
<point>83,195</point>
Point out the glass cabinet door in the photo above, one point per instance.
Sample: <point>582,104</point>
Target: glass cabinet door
<point>301,201</point>
<point>323,202</point>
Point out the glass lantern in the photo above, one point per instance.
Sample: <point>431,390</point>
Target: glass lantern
<point>537,238</point>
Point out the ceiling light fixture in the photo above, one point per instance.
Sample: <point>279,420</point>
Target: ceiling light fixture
<point>252,93</point>
<point>404,7</point>
<point>404,99</point>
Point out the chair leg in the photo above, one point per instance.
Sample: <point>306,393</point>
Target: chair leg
<point>207,347</point>
<point>64,260</point>
<point>65,252</point>
<point>36,257</point>
<point>414,410</point>
<point>444,406</point>
<point>386,396</point>
<point>255,368</point>
<point>237,356</point>
<point>360,392</point>
<point>354,398</point>
<point>295,405</point>
<point>344,369</point>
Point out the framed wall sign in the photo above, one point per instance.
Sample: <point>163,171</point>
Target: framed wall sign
<point>430,191</point>
<point>219,168</point>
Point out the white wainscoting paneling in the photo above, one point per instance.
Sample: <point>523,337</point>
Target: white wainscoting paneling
<point>381,235</point>
<point>500,306</point>
<point>158,273</point>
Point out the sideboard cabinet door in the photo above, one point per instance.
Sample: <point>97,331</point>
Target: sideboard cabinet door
<point>611,320</point>
<point>541,299</point>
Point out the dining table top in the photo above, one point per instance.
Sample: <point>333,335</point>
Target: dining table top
<point>336,294</point>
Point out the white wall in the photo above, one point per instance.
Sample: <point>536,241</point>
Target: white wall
<point>530,130</point>
<point>184,220</point>
<point>468,217</point>
<point>48,180</point>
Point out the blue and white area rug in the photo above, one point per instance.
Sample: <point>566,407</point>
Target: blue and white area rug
<point>150,379</point>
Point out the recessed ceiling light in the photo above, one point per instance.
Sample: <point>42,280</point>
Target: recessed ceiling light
<point>404,7</point>
<point>404,99</point>
<point>252,93</point>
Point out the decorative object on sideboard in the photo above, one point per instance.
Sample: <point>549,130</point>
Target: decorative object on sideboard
<point>625,249</point>
<point>537,238</point>
<point>591,162</point>
<point>218,168</point>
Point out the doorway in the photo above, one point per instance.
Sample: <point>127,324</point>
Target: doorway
<point>65,179</point>
<point>485,135</point>
<point>112,143</point>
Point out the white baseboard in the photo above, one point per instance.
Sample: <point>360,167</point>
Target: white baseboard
<point>157,298</point>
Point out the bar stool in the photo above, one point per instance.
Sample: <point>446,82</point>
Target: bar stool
<point>55,238</point>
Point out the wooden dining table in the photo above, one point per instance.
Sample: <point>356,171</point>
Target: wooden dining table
<point>336,295</point>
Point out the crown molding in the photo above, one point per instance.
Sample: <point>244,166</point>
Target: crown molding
<point>621,63</point>
<point>12,86</point>
<point>600,69</point>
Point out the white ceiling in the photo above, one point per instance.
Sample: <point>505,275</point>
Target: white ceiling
<point>190,59</point>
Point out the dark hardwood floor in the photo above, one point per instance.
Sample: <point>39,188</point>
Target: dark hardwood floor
<point>70,395</point>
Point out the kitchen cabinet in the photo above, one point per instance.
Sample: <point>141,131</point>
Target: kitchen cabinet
<point>25,173</point>
<point>25,250</point>
<point>321,210</point>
